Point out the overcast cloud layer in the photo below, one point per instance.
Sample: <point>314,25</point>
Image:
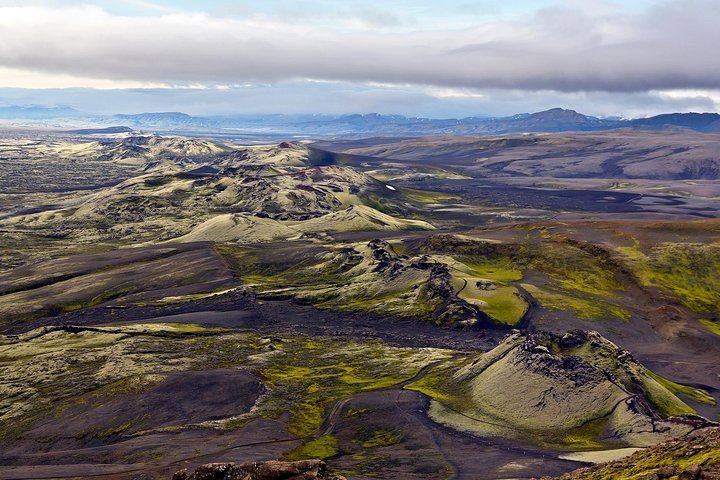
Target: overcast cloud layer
<point>572,47</point>
<point>562,48</point>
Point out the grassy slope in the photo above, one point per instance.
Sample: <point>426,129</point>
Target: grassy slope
<point>491,394</point>
<point>687,271</point>
<point>687,457</point>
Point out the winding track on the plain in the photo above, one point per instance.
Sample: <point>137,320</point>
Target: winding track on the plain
<point>326,428</point>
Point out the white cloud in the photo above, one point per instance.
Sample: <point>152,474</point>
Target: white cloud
<point>18,78</point>
<point>571,48</point>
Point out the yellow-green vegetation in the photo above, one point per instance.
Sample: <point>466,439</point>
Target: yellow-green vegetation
<point>322,448</point>
<point>693,456</point>
<point>351,413</point>
<point>697,394</point>
<point>311,376</point>
<point>119,429</point>
<point>662,398</point>
<point>503,303</point>
<point>190,297</point>
<point>570,267</point>
<point>47,371</point>
<point>426,196</point>
<point>582,282</point>
<point>186,327</point>
<point>483,282</point>
<point>96,300</point>
<point>500,269</point>
<point>711,325</point>
<point>584,307</point>
<point>579,281</point>
<point>687,271</point>
<point>382,438</point>
<point>584,437</point>
<point>127,277</point>
<point>527,388</point>
<point>438,384</point>
<point>124,386</point>
<point>580,278</point>
<point>342,278</point>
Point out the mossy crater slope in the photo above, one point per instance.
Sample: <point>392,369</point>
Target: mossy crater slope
<point>577,391</point>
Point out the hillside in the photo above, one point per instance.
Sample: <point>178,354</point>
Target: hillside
<point>576,390</point>
<point>618,155</point>
<point>693,456</point>
<point>395,317</point>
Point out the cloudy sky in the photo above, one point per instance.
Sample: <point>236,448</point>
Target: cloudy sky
<point>438,58</point>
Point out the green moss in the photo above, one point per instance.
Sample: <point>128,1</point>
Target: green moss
<point>438,385</point>
<point>503,304</point>
<point>426,196</point>
<point>584,437</point>
<point>687,271</point>
<point>186,327</point>
<point>310,376</point>
<point>322,448</point>
<point>376,202</point>
<point>303,376</point>
<point>572,268</point>
<point>117,430</point>
<point>307,417</point>
<point>500,269</point>
<point>697,394</point>
<point>97,300</point>
<point>399,248</point>
<point>400,302</point>
<point>587,308</point>
<point>645,464</point>
<point>711,325</point>
<point>125,386</point>
<point>582,282</point>
<point>382,438</point>
<point>350,413</point>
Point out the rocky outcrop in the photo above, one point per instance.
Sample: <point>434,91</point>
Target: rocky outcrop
<point>348,258</point>
<point>453,310</point>
<point>386,262</point>
<point>695,456</point>
<point>438,290</point>
<point>272,470</point>
<point>485,285</point>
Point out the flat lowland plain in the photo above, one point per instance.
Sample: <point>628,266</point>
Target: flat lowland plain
<point>167,302</point>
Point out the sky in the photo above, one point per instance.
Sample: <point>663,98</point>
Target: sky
<point>447,58</point>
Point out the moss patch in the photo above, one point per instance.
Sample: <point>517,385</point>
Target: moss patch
<point>310,376</point>
<point>587,308</point>
<point>322,448</point>
<point>500,269</point>
<point>382,438</point>
<point>697,394</point>
<point>584,437</point>
<point>711,325</point>
<point>686,271</point>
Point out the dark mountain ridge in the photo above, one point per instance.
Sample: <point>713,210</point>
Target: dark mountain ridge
<point>372,124</point>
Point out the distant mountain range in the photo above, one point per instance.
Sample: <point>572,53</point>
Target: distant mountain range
<point>553,120</point>
<point>36,112</point>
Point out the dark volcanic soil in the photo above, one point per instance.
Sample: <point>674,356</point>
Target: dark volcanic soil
<point>426,449</point>
<point>182,398</point>
<point>239,310</point>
